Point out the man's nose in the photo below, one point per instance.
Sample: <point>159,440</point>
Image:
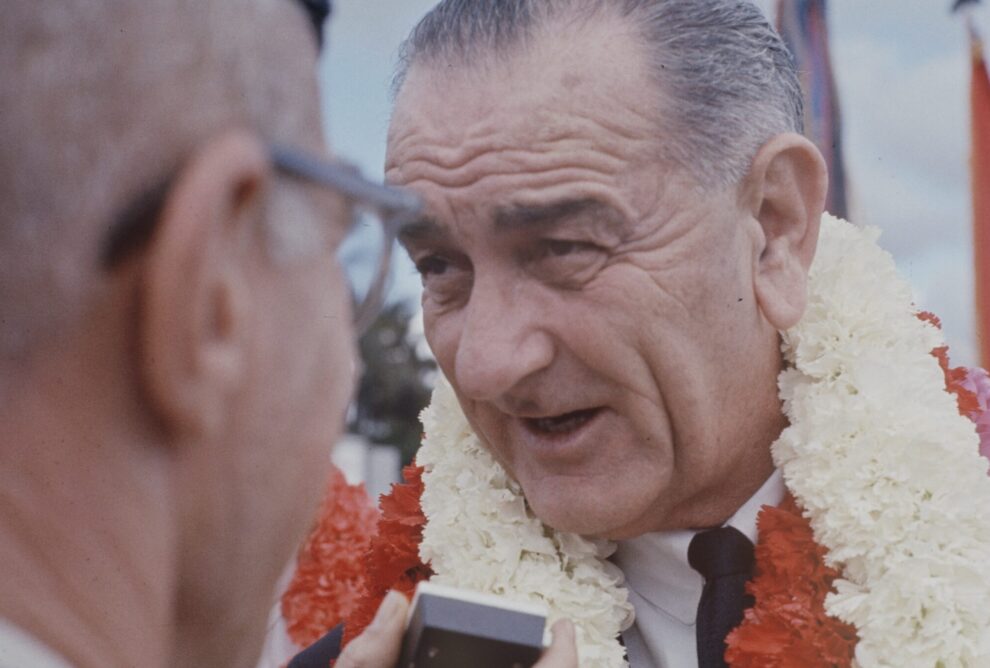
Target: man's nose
<point>502,342</point>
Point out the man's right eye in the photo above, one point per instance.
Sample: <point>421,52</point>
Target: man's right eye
<point>445,281</point>
<point>432,265</point>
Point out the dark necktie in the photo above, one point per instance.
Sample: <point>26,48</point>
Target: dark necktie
<point>724,557</point>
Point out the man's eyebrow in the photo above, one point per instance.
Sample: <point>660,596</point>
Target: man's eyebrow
<point>556,213</point>
<point>605,217</point>
<point>422,229</point>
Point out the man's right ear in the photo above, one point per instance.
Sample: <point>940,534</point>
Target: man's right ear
<point>785,193</point>
<point>195,306</point>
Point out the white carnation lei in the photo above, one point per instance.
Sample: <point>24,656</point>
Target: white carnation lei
<point>886,468</point>
<point>876,453</point>
<point>481,535</point>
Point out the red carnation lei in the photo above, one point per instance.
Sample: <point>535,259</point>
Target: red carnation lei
<point>788,627</point>
<point>393,559</point>
<point>344,569</point>
<point>329,582</point>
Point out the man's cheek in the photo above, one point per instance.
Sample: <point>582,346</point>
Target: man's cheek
<point>443,338</point>
<point>490,429</point>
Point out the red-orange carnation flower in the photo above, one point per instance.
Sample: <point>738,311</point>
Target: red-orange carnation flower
<point>393,559</point>
<point>329,577</point>
<point>788,627</point>
<point>955,378</point>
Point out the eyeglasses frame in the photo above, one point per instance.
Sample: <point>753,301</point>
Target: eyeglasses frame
<point>135,225</point>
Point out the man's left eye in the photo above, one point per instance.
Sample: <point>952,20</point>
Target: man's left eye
<point>563,247</point>
<point>566,262</point>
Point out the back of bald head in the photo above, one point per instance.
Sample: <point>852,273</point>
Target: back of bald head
<point>104,98</point>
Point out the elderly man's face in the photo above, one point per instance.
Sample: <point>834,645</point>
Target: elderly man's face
<point>593,308</point>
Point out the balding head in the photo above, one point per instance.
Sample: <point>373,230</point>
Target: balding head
<point>102,99</point>
<point>168,417</point>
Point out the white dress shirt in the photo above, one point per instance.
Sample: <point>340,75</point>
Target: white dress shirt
<point>665,590</point>
<point>18,649</point>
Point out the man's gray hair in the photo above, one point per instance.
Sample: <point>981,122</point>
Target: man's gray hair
<point>102,99</point>
<point>728,81</point>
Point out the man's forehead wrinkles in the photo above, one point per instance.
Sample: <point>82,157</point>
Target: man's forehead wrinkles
<point>520,132</point>
<point>561,147</point>
<point>417,154</point>
<point>421,173</point>
<point>641,130</point>
<point>552,121</point>
<point>450,139</point>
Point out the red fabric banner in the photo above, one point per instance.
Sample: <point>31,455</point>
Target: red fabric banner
<point>802,24</point>
<point>980,163</point>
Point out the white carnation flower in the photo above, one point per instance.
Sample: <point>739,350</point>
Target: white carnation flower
<point>481,535</point>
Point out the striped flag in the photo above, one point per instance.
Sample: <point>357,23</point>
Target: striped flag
<point>802,25</point>
<point>979,99</point>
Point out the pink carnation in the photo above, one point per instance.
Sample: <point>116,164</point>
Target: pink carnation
<point>977,381</point>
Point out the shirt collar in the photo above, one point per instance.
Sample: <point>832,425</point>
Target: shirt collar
<point>656,565</point>
<point>19,648</point>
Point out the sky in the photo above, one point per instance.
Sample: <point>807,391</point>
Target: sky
<point>902,72</point>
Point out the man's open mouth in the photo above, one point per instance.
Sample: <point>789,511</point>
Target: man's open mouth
<point>561,424</point>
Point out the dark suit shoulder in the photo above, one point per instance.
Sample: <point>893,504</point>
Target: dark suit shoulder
<point>321,652</point>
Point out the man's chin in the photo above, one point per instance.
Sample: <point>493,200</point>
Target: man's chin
<point>586,518</point>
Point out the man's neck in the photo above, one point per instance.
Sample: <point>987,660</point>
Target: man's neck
<point>86,551</point>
